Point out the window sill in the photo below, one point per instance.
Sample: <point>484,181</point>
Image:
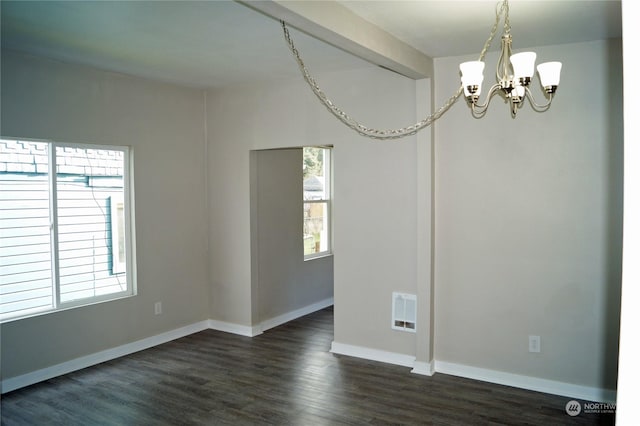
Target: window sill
<point>318,256</point>
<point>65,308</point>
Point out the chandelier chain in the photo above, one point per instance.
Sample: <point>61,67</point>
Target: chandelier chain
<point>388,134</point>
<point>504,9</point>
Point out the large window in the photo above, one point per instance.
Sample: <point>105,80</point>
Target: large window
<point>316,169</point>
<point>66,230</point>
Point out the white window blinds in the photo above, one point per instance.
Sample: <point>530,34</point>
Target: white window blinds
<point>65,230</point>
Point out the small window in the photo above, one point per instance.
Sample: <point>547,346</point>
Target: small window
<point>65,219</point>
<point>316,170</point>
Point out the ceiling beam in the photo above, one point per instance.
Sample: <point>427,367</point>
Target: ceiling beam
<point>333,23</point>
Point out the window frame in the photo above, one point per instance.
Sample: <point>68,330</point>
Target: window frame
<point>127,197</point>
<point>117,261</point>
<point>327,164</point>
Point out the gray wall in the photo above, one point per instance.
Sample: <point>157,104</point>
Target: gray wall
<point>164,125</point>
<point>528,224</point>
<point>374,195</point>
<point>528,211</point>
<point>527,214</point>
<point>285,282</point>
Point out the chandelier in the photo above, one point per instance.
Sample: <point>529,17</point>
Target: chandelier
<point>514,74</point>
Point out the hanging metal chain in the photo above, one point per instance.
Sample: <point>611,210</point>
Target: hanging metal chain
<point>388,134</point>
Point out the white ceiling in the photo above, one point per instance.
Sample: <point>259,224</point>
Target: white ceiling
<point>221,43</point>
<point>455,27</point>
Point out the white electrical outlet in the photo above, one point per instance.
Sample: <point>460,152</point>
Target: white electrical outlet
<point>158,308</point>
<point>534,343</point>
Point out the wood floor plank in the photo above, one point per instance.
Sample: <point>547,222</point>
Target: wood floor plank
<point>286,376</point>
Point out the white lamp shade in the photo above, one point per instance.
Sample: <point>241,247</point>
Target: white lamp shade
<point>519,90</point>
<point>472,73</point>
<point>466,83</point>
<point>549,73</point>
<point>523,64</point>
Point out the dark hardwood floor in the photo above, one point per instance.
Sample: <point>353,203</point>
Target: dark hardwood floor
<point>285,376</point>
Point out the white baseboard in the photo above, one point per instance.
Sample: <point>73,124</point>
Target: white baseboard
<point>289,316</point>
<point>252,331</point>
<point>423,368</point>
<point>229,327</point>
<point>13,383</point>
<point>373,354</point>
<point>508,379</point>
<point>525,382</point>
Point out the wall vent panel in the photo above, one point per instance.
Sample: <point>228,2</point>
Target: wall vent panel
<point>403,315</point>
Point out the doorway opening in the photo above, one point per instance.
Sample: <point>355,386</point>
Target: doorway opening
<point>288,280</point>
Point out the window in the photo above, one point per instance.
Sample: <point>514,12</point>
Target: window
<point>316,170</point>
<point>66,230</point>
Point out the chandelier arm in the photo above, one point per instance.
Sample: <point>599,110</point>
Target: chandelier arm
<point>386,134</point>
<point>477,108</point>
<point>478,113</point>
<point>534,104</point>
